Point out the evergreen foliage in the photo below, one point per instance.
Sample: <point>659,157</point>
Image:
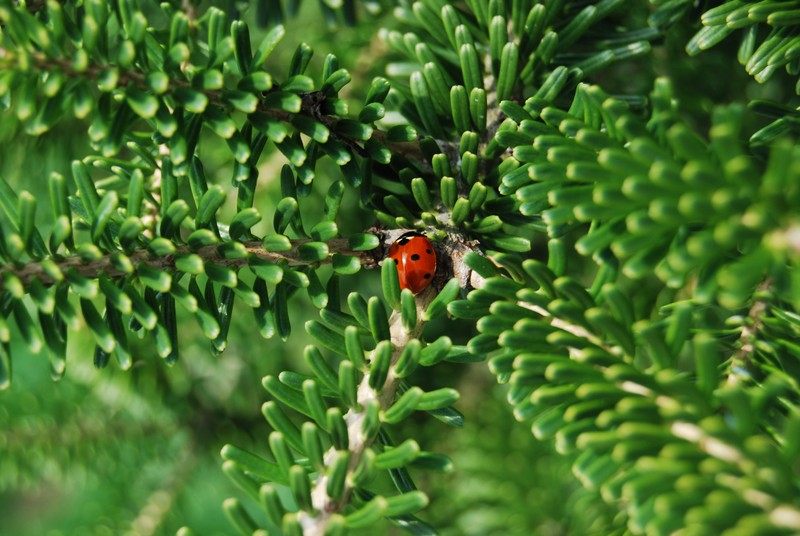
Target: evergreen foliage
<point>620,250</point>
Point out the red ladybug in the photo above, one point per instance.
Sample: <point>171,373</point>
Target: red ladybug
<point>416,261</point>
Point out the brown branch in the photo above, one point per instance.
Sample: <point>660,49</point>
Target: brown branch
<point>190,11</point>
<point>106,265</point>
<point>742,357</point>
<point>310,107</point>
<point>325,505</point>
<point>33,6</point>
<point>407,149</point>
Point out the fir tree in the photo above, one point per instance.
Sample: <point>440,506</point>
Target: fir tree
<point>616,230</point>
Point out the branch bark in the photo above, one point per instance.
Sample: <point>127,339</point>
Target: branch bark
<point>108,264</point>
<point>740,360</point>
<point>323,504</point>
<point>311,101</point>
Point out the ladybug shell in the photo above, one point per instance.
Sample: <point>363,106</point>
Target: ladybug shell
<point>416,261</point>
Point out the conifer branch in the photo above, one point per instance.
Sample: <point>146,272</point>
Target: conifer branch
<point>354,418</point>
<point>312,102</point>
<point>569,327</point>
<point>752,324</point>
<point>111,267</point>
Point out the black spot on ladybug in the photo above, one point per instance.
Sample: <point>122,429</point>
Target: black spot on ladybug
<point>428,251</point>
<point>414,257</point>
<point>427,276</point>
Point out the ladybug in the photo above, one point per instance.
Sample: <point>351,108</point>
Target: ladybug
<point>416,261</point>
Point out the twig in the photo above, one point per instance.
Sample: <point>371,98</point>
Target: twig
<point>325,505</point>
<point>310,107</point>
<point>107,265</point>
<point>741,358</point>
